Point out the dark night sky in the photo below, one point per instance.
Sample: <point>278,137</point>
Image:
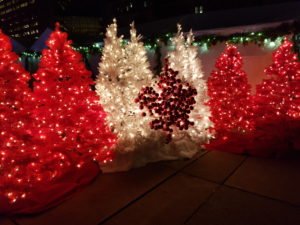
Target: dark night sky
<point>85,7</point>
<point>97,7</point>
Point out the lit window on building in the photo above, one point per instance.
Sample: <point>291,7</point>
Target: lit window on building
<point>24,4</point>
<point>199,9</point>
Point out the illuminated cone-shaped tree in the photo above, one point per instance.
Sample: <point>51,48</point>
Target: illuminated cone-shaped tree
<point>186,61</point>
<point>67,114</point>
<point>52,150</point>
<point>123,72</point>
<point>230,100</point>
<point>68,127</point>
<point>16,155</point>
<point>170,103</point>
<point>278,97</point>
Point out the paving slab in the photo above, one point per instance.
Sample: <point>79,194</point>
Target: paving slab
<point>108,194</point>
<point>5,221</point>
<point>215,166</point>
<point>278,179</point>
<point>234,207</point>
<point>182,163</point>
<point>171,203</point>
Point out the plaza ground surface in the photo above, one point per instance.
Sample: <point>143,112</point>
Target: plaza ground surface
<point>215,188</point>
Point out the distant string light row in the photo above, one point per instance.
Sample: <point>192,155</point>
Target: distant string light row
<point>203,42</point>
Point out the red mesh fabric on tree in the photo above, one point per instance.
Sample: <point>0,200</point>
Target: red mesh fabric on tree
<point>170,103</point>
<point>40,195</point>
<point>230,102</point>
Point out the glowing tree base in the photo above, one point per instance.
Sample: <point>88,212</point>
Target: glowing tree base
<point>153,151</point>
<point>47,195</point>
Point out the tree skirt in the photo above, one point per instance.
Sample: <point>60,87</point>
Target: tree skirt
<point>150,152</point>
<point>49,195</point>
<point>269,139</point>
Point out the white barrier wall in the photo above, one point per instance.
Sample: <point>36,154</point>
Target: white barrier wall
<point>255,59</point>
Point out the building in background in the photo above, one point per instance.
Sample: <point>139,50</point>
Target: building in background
<point>125,11</point>
<point>26,20</point>
<point>142,11</point>
<point>82,29</point>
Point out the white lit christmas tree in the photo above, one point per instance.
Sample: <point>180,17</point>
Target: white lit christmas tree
<point>185,60</point>
<point>123,72</point>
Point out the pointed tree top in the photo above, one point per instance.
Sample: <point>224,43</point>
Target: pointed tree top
<point>132,25</point>
<point>230,58</point>
<point>133,33</point>
<point>114,24</point>
<point>132,29</point>
<point>178,38</point>
<point>284,59</point>
<point>190,38</point>
<point>57,26</point>
<point>286,42</point>
<point>179,28</point>
<point>111,30</point>
<point>57,38</point>
<point>231,48</point>
<point>180,32</point>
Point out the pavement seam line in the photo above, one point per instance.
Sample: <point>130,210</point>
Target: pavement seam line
<point>200,177</point>
<point>234,170</point>
<point>262,196</point>
<point>176,172</point>
<point>189,164</point>
<point>215,191</point>
<point>203,203</point>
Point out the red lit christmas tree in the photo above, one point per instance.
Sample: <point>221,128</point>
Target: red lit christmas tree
<point>16,153</point>
<point>67,114</point>
<point>230,101</point>
<point>278,100</point>
<point>170,103</point>
<point>67,130</point>
<point>52,153</point>
<point>279,95</point>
